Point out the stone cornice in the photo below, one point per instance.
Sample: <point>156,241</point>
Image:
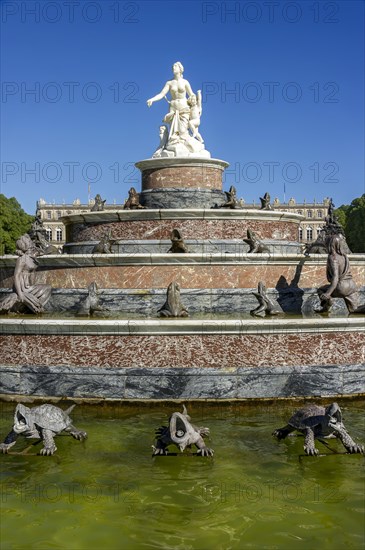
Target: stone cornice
<point>158,163</point>
<point>181,214</point>
<point>137,327</point>
<point>91,260</point>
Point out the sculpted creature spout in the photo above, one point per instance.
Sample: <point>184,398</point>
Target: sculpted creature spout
<point>315,422</point>
<point>98,205</point>
<point>177,243</point>
<point>132,203</point>
<point>265,202</point>
<point>92,302</point>
<point>266,306</point>
<point>43,422</point>
<point>183,434</point>
<point>231,198</point>
<point>38,235</point>
<point>256,246</point>
<point>173,306</point>
<point>104,246</point>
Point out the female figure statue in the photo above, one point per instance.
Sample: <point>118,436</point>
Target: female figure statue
<point>178,88</point>
<point>184,114</point>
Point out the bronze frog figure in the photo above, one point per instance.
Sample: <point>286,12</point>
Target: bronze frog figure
<point>173,306</point>
<point>266,306</point>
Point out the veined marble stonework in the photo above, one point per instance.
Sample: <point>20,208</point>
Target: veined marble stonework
<point>195,246</point>
<point>190,228</point>
<point>191,177</point>
<point>183,359</point>
<point>155,344</point>
<point>180,383</point>
<point>145,303</point>
<point>70,272</point>
<point>181,197</point>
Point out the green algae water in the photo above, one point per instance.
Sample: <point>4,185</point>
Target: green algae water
<point>256,492</point>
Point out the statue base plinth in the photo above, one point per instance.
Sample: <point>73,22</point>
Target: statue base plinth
<point>182,182</point>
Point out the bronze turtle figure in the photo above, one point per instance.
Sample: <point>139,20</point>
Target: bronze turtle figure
<point>316,421</point>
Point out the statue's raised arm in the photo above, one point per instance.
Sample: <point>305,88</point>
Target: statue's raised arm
<point>159,96</point>
<point>183,118</point>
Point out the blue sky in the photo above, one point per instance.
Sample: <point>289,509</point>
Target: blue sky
<point>282,84</point>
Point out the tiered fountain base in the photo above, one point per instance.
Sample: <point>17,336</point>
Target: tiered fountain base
<point>182,359</point>
<point>220,351</point>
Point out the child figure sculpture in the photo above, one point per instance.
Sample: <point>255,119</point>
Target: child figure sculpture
<point>195,104</point>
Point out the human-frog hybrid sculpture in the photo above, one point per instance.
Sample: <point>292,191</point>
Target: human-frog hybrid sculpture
<point>43,422</point>
<point>183,434</point>
<point>315,422</point>
<point>27,295</point>
<point>341,283</point>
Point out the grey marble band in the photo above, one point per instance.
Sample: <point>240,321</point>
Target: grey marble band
<point>183,383</point>
<point>195,246</point>
<point>182,198</point>
<point>135,302</point>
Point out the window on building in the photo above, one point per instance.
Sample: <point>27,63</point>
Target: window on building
<point>309,234</point>
<point>300,234</point>
<point>300,212</point>
<point>49,215</point>
<point>319,229</point>
<point>48,234</point>
<point>59,214</point>
<point>319,214</point>
<point>309,213</point>
<point>58,234</point>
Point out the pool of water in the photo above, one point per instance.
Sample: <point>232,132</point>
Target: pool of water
<point>255,493</point>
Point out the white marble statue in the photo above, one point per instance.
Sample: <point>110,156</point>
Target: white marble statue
<point>182,139</point>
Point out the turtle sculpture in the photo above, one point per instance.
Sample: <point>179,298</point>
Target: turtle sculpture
<point>43,422</point>
<point>182,433</point>
<point>315,421</point>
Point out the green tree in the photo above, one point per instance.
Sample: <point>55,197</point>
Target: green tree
<point>341,214</point>
<point>355,225</point>
<point>14,222</point>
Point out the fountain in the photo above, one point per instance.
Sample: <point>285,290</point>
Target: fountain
<point>100,335</point>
